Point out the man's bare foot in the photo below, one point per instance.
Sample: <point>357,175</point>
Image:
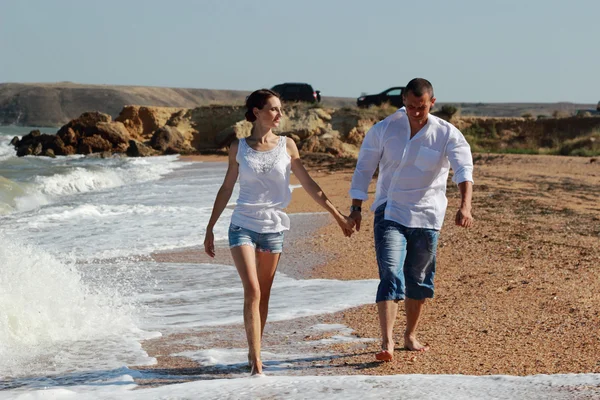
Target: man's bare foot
<point>411,343</point>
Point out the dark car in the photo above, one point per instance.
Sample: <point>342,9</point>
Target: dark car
<point>392,95</point>
<point>297,92</point>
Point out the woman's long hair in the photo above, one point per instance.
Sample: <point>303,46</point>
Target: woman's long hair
<point>258,99</point>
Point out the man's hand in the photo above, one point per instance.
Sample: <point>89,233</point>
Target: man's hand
<point>464,217</point>
<point>357,217</point>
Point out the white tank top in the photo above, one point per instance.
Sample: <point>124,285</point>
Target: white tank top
<point>264,178</point>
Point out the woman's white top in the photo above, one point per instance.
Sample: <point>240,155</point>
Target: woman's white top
<point>264,179</point>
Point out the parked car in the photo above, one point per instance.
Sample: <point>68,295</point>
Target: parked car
<point>392,95</point>
<point>297,92</point>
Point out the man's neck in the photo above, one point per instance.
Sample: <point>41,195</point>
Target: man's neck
<point>416,126</point>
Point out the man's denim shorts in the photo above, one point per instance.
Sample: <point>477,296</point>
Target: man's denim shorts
<point>265,242</point>
<point>406,259</point>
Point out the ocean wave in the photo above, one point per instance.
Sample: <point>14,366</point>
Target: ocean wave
<point>50,318</point>
<point>92,177</point>
<point>40,180</point>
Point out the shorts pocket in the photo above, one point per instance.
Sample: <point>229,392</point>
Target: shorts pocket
<point>235,228</point>
<point>427,159</point>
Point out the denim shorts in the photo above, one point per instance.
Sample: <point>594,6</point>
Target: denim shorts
<point>406,259</point>
<point>265,242</point>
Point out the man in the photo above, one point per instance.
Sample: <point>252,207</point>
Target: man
<point>414,152</point>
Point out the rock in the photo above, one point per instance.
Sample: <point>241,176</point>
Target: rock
<point>294,137</point>
<point>137,149</point>
<point>86,123</point>
<point>332,146</point>
<point>49,153</point>
<point>38,148</point>
<point>68,136</point>
<point>24,150</point>
<point>304,122</point>
<point>167,138</point>
<point>93,144</point>
<point>208,122</point>
<point>115,133</point>
<point>239,130</point>
<point>15,141</point>
<point>141,122</point>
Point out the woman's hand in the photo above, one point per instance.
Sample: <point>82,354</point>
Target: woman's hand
<point>209,243</point>
<point>347,225</point>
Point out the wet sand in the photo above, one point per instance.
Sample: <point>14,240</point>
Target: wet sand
<point>517,294</point>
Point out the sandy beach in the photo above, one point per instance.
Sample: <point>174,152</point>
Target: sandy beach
<point>517,294</point>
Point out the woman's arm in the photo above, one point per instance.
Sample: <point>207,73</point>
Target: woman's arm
<point>313,189</point>
<point>223,196</point>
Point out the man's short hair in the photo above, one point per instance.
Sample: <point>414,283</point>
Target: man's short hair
<point>419,87</point>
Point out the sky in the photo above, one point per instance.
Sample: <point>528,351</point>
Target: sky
<point>471,50</point>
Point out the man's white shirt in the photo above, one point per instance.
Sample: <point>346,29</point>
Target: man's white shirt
<point>412,172</point>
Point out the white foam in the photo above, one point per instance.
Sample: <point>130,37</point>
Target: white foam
<point>128,220</point>
<point>94,175</point>
<point>180,288</point>
<point>358,387</point>
<point>6,150</point>
<point>51,321</point>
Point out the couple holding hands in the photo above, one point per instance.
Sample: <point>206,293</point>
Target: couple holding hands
<point>414,152</point>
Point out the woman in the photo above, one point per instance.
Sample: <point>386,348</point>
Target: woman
<point>263,162</point>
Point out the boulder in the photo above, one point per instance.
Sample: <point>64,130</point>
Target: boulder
<point>167,140</point>
<point>49,153</point>
<point>115,133</point>
<point>93,144</point>
<point>137,149</point>
<point>86,123</point>
<point>141,122</point>
<point>68,136</point>
<point>238,130</point>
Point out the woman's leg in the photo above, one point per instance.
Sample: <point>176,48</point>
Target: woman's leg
<point>266,267</point>
<point>244,258</point>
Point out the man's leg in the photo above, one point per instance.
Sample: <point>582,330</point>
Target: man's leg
<point>419,271</point>
<point>413,313</point>
<point>390,248</point>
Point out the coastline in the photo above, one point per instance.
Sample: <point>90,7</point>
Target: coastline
<point>517,294</point>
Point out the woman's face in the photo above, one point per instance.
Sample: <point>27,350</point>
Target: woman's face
<point>270,115</point>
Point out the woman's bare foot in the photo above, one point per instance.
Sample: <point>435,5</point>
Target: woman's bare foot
<point>250,362</point>
<point>256,369</point>
<point>386,353</point>
<point>411,343</point>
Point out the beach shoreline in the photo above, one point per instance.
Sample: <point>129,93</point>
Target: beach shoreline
<point>515,295</point>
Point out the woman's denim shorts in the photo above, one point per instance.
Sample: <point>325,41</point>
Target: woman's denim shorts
<point>265,242</point>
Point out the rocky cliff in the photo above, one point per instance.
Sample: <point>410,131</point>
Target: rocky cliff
<point>143,131</point>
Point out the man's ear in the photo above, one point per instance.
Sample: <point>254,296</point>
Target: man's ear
<point>432,103</point>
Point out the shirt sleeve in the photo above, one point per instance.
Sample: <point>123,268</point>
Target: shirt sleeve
<point>368,160</point>
<point>459,155</point>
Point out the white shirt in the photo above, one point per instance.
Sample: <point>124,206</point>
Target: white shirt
<point>264,178</point>
<point>412,172</point>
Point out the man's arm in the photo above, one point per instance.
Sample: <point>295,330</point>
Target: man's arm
<point>368,160</point>
<point>461,161</point>
<point>463,215</point>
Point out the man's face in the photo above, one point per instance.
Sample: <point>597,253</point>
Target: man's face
<point>417,108</point>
